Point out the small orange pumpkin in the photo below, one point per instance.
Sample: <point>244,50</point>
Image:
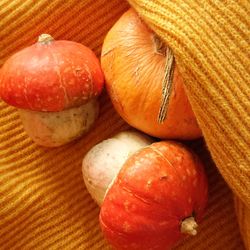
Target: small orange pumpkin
<point>157,198</point>
<point>55,85</point>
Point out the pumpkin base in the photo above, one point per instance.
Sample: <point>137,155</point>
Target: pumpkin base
<point>53,129</point>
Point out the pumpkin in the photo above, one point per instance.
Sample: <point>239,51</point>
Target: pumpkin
<point>157,198</point>
<point>55,85</point>
<point>134,63</point>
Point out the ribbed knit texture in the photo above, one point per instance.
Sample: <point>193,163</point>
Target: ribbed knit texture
<point>211,42</point>
<point>43,201</point>
<point>243,215</point>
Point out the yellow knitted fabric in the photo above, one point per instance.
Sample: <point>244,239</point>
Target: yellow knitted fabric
<point>210,40</point>
<point>43,201</point>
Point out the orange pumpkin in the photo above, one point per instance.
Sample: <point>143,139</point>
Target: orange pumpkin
<point>157,198</point>
<point>133,61</point>
<point>55,86</point>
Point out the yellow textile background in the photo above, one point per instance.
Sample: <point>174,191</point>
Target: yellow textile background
<point>43,200</point>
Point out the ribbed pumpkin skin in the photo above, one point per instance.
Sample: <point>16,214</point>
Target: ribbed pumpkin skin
<point>156,189</point>
<point>51,77</point>
<point>134,73</point>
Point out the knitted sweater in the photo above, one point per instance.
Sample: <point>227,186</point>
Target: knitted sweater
<point>210,40</point>
<point>43,201</point>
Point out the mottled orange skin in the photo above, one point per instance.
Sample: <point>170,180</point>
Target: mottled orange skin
<point>51,76</point>
<point>134,73</point>
<point>157,188</point>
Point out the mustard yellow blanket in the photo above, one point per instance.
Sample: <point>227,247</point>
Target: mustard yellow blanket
<point>43,201</point>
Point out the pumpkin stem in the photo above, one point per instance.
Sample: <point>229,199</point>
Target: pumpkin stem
<point>189,226</point>
<point>167,85</point>
<point>45,38</point>
<point>160,46</point>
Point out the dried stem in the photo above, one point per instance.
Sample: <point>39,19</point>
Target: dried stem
<point>167,85</point>
<point>189,226</point>
<point>45,38</point>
